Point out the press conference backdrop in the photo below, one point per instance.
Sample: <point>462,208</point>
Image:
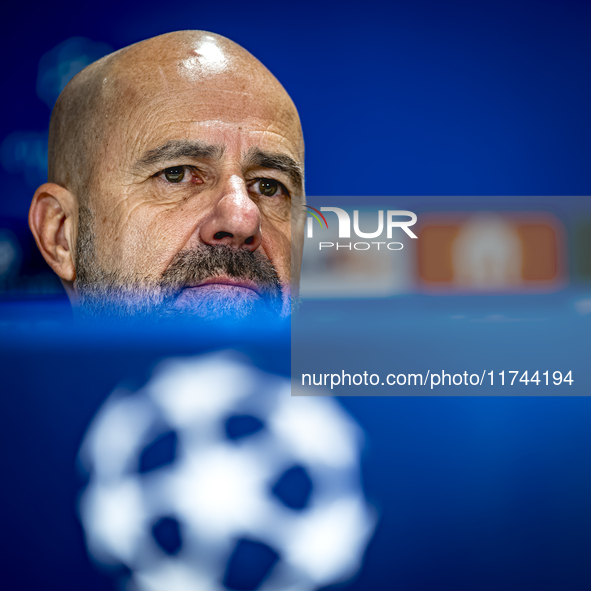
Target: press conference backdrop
<point>466,101</point>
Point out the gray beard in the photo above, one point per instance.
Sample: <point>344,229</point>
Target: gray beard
<point>118,295</point>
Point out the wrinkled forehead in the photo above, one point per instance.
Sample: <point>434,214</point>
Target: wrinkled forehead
<point>151,92</point>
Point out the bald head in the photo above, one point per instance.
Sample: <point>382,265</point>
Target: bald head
<point>121,89</point>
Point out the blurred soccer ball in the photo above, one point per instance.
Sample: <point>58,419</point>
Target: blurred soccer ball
<point>212,477</point>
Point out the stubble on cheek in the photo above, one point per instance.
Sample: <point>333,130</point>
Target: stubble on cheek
<point>133,240</point>
<point>279,250</point>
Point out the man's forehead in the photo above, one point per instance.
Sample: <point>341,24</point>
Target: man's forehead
<point>232,136</point>
<point>205,105</point>
<point>218,108</point>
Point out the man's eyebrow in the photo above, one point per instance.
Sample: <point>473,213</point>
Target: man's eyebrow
<point>180,149</point>
<point>256,157</point>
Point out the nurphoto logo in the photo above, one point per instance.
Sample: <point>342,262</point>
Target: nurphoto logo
<point>394,219</point>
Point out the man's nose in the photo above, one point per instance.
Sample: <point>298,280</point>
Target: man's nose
<point>235,220</point>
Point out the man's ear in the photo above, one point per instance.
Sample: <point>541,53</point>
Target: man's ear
<point>52,219</point>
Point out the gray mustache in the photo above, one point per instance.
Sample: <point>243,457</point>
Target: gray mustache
<point>210,261</point>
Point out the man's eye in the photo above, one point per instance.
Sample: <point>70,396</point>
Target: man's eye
<point>269,187</point>
<point>175,174</point>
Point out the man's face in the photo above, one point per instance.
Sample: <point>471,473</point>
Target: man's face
<point>190,199</point>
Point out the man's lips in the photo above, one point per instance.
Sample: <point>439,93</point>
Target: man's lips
<point>229,281</point>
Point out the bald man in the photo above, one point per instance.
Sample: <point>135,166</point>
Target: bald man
<point>175,183</point>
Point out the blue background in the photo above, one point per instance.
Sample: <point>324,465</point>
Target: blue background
<point>408,98</point>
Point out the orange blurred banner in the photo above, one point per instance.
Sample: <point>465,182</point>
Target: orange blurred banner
<point>490,252</point>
